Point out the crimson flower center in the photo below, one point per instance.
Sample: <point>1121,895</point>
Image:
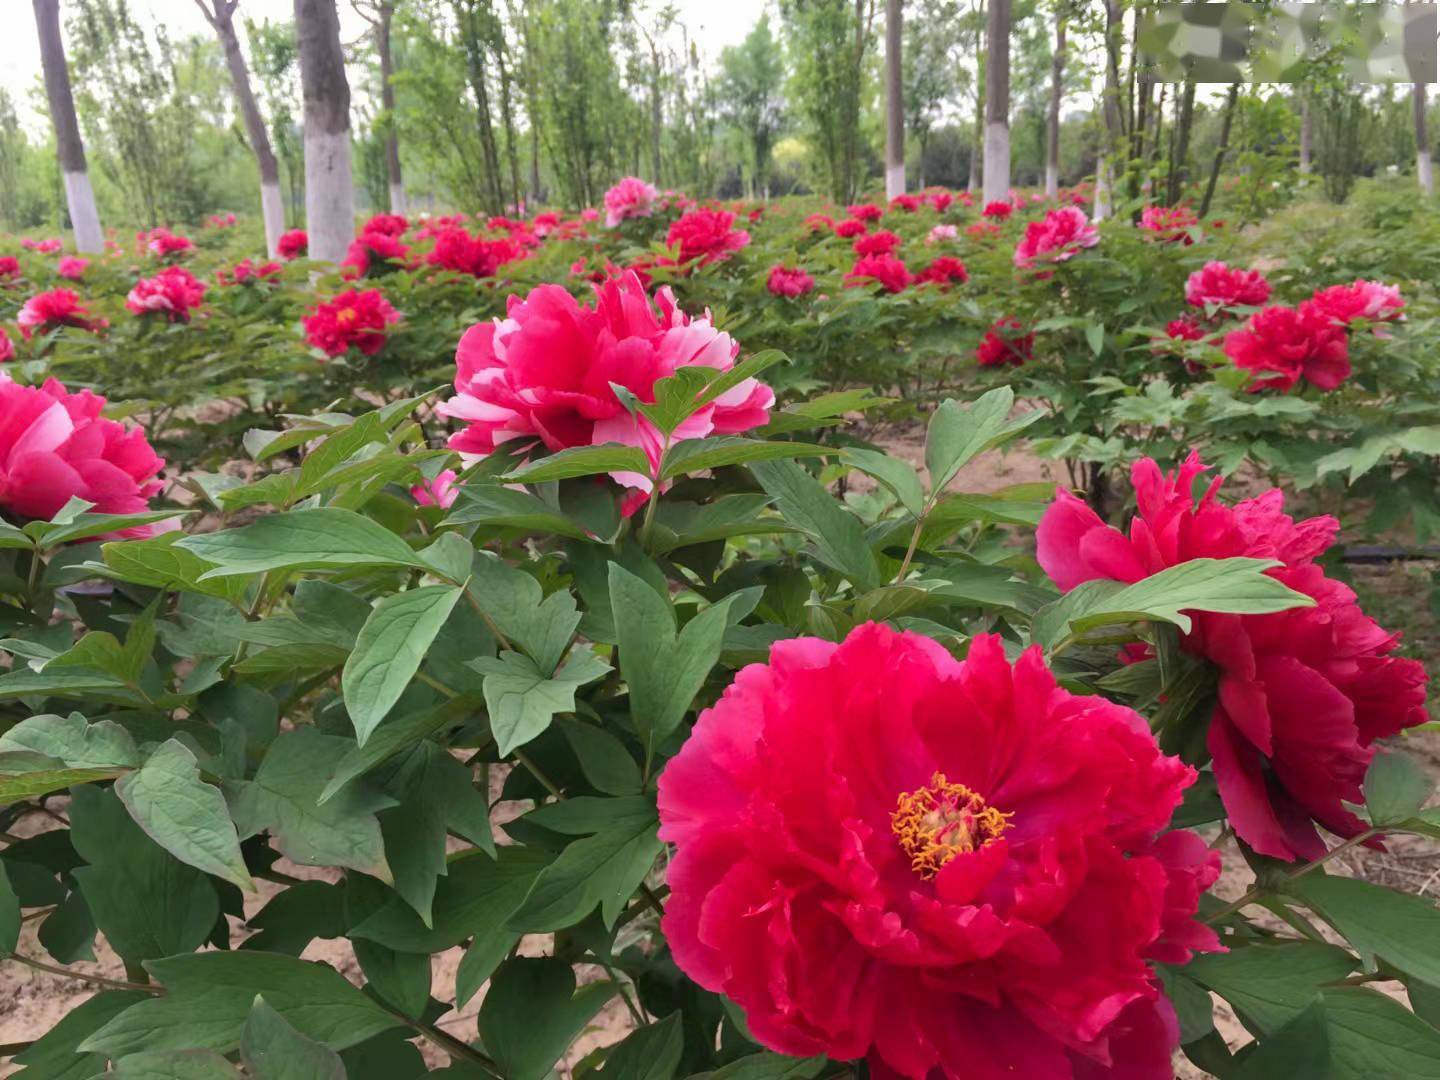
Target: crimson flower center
<point>936,822</point>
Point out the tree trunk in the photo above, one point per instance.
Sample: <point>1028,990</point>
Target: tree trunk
<point>1307,132</point>
<point>329,183</point>
<point>1423,168</point>
<point>997,101</point>
<point>656,116</point>
<point>221,17</point>
<point>1180,155</point>
<point>394,176</point>
<point>512,156</point>
<point>475,66</point>
<point>894,104</point>
<point>79,196</point>
<point>1110,110</point>
<point>1052,122</point>
<point>1220,150</point>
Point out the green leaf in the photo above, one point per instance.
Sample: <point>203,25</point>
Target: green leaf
<point>522,700</point>
<point>283,798</point>
<point>183,814</point>
<point>1300,1050</point>
<point>581,461</point>
<point>273,1050</point>
<point>605,868</point>
<point>900,478</point>
<point>1271,983</point>
<point>73,740</point>
<point>766,1066</point>
<point>648,1053</point>
<point>9,915</point>
<point>694,455</point>
<point>663,670</point>
<point>1395,787</point>
<point>401,980</point>
<point>391,646</point>
<point>145,901</point>
<point>318,538</point>
<point>159,563</point>
<point>958,433</point>
<point>31,783</point>
<point>395,735</point>
<point>492,504</point>
<point>1095,337</point>
<point>838,536</point>
<point>1401,929</point>
<point>532,1013</point>
<point>210,996</point>
<point>603,758</point>
<point>174,1065</point>
<point>56,1055</point>
<point>1373,1036</point>
<point>87,525</point>
<point>676,396</point>
<point>540,625</point>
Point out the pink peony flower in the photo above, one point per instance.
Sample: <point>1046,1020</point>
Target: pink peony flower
<point>1281,345</point>
<point>947,868</point>
<point>354,318</point>
<point>55,445</point>
<point>246,272</point>
<point>1005,343</point>
<point>164,244</point>
<point>1170,223</point>
<point>944,271</point>
<point>706,235</point>
<point>630,198</point>
<point>888,272</point>
<point>438,492</point>
<point>9,267</point>
<point>883,242</point>
<point>174,290</point>
<point>785,281</point>
<point>589,214</point>
<point>1058,236</point>
<point>72,267</point>
<point>1373,301</point>
<point>1302,695</point>
<point>545,373</point>
<point>292,244</point>
<point>46,311</point>
<point>7,347</point>
<point>1216,284</point>
<point>942,232</point>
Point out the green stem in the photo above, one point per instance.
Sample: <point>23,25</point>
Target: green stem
<point>910,551</point>
<point>98,980</point>
<point>538,773</point>
<point>1251,896</point>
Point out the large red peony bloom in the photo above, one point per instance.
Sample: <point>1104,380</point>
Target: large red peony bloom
<point>7,347</point>
<point>72,267</point>
<point>374,253</point>
<point>865,212</point>
<point>1058,236</point>
<point>1302,694</point>
<point>1216,284</point>
<point>706,235</point>
<point>1006,342</point>
<point>788,281</point>
<point>940,200</point>
<point>1170,223</point>
<point>944,271</point>
<point>246,272</point>
<point>174,291</point>
<point>54,444</point>
<point>950,869</point>
<point>164,244</point>
<point>907,204</point>
<point>47,311</point>
<point>292,244</point>
<point>1373,301</point>
<point>389,224</point>
<point>9,267</point>
<point>547,371</point>
<point>355,317</point>
<point>883,242</point>
<point>455,249</point>
<point>849,228</point>
<point>630,198</point>
<point>1281,345</point>
<point>997,209</point>
<point>890,273</point>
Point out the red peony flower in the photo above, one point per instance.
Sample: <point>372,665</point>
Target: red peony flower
<point>174,290</point>
<point>46,311</point>
<point>164,244</point>
<point>389,224</point>
<point>44,247</point>
<point>940,200</point>
<point>1170,223</point>
<point>887,271</point>
<point>785,281</point>
<point>982,230</point>
<point>438,492</point>
<point>816,222</point>
<point>455,249</point>
<point>1284,344</point>
<point>7,347</point>
<point>220,221</point>
<point>546,373</point>
<point>9,267</point>
<point>546,223</point>
<point>865,212</point>
<point>1218,285</point>
<point>1184,329</point>
<point>1058,236</point>
<point>1302,694</point>
<point>630,198</point>
<point>72,267</point>
<point>850,227</point>
<point>1005,343</point>
<point>906,203</point>
<point>944,271</point>
<point>292,244</point>
<point>883,242</point>
<point>998,210</point>
<point>246,272</point>
<point>354,318</point>
<point>55,445</point>
<point>374,253</point>
<point>706,235</point>
<point>1373,301</point>
<point>947,868</point>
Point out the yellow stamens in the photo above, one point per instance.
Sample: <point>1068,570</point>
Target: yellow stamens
<point>941,820</point>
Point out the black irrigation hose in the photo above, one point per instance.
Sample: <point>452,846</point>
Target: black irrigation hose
<point>1378,553</point>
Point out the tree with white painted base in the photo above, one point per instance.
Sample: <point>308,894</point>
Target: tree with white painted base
<point>381,15</point>
<point>894,103</point>
<point>80,196</point>
<point>1423,167</point>
<point>996,177</point>
<point>329,186</point>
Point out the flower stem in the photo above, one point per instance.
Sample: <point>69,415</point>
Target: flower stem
<point>1253,894</point>
<point>98,980</point>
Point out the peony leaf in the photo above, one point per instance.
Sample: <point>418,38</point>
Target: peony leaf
<point>648,1053</point>
<point>273,1050</point>
<point>695,455</point>
<point>1401,929</point>
<point>1395,787</point>
<point>522,700</point>
<point>319,538</point>
<point>957,433</point>
<point>580,461</point>
<point>837,534</point>
<point>532,1013</point>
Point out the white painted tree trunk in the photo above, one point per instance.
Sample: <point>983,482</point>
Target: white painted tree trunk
<point>1424,169</point>
<point>329,194</point>
<point>1052,181</point>
<point>272,211</point>
<point>894,104</point>
<point>997,162</point>
<point>1102,190</point>
<point>997,101</point>
<point>397,199</point>
<point>89,237</point>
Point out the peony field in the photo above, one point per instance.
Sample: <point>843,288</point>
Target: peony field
<point>628,542</point>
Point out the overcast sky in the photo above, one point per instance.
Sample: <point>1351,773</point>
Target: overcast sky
<point>712,26</point>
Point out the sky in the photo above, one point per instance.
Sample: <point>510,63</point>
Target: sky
<point>712,25</point>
